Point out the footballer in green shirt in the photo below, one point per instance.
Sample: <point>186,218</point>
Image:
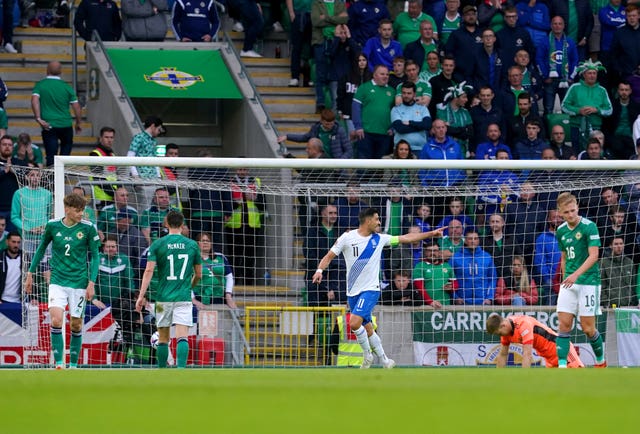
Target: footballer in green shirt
<point>74,269</point>
<point>179,270</point>
<point>579,295</point>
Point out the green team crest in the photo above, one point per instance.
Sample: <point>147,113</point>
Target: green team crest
<point>171,77</point>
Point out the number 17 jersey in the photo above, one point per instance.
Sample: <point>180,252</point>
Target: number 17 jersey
<point>362,255</point>
<point>174,255</point>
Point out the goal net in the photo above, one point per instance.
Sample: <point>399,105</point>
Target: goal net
<point>263,225</point>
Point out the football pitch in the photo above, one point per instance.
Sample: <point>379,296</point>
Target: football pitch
<point>264,401</point>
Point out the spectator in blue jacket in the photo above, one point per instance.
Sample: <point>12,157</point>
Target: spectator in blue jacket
<point>483,115</point>
<point>612,16</point>
<point>488,63</point>
<point>488,150</point>
<point>557,58</point>
<point>546,258</point>
<point>531,148</point>
<point>496,188</point>
<point>381,49</point>
<point>462,42</point>
<point>100,15</point>
<point>513,37</point>
<point>441,147</point>
<point>625,47</point>
<point>364,19</point>
<point>533,15</point>
<point>193,22</point>
<point>349,207</point>
<point>475,273</point>
<point>343,52</point>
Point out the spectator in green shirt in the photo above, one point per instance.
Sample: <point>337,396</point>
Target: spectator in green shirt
<point>50,103</point>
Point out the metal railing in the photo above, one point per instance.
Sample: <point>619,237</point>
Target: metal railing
<point>256,98</point>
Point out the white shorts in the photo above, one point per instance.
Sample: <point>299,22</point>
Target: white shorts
<point>169,313</point>
<point>580,300</point>
<point>60,296</point>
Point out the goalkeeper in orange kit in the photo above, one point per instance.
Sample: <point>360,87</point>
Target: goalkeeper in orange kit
<point>533,335</point>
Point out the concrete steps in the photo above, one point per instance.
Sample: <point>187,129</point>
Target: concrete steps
<point>20,71</point>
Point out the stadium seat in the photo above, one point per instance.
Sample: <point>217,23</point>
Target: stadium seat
<point>210,351</point>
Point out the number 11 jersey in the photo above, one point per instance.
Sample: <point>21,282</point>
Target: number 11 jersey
<point>362,255</point>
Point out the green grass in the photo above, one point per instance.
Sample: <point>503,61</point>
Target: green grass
<point>264,401</point>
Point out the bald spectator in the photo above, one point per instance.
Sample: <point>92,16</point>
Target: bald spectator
<point>559,145</point>
<point>50,103</point>
<point>578,16</point>
<point>557,58</point>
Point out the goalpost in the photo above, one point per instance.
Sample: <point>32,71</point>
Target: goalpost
<point>278,317</point>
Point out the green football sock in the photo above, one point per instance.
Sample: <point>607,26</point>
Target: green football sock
<point>57,345</point>
<point>182,352</point>
<point>598,346</point>
<point>74,348</point>
<point>563,343</point>
<point>162,354</point>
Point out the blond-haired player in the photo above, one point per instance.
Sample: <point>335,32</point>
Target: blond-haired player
<point>579,242</point>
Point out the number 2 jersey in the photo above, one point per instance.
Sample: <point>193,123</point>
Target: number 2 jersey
<point>70,247</point>
<point>362,255</point>
<point>175,256</point>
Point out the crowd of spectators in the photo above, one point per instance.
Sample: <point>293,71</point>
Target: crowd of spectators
<point>441,80</point>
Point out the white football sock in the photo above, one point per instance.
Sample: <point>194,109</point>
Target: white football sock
<point>361,336</point>
<point>376,345</point>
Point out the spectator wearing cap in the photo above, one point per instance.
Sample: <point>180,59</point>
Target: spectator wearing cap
<point>463,42</point>
<point>531,148</point>
<point>27,152</point>
<point>131,242</point>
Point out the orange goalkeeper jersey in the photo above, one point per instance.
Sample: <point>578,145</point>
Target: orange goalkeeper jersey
<point>528,330</point>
